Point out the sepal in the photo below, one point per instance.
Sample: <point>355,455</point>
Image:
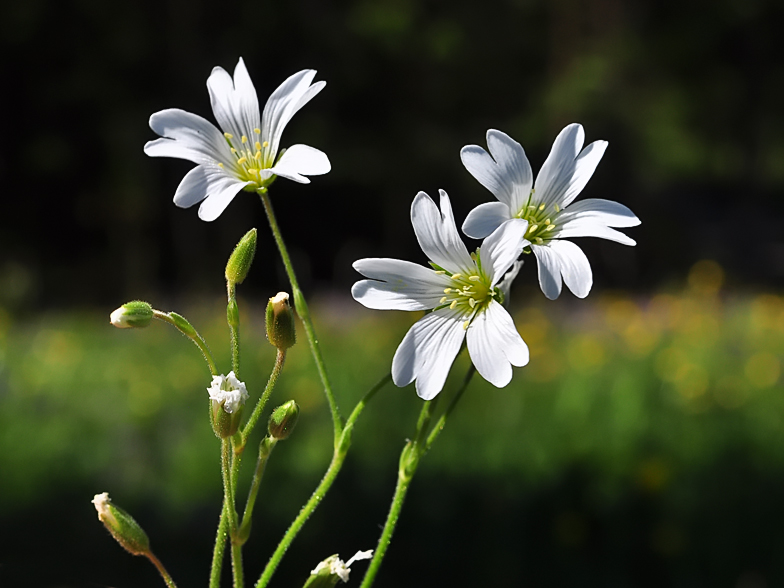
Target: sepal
<point>121,525</point>
<point>134,314</point>
<point>241,259</point>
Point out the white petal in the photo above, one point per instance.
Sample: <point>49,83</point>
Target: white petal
<point>494,344</point>
<point>186,136</point>
<point>612,214</point>
<point>299,161</point>
<point>403,286</point>
<point>572,264</point>
<point>591,227</point>
<point>549,269</point>
<point>485,218</point>
<point>216,203</point>
<point>427,352</point>
<point>556,173</point>
<point>501,249</point>
<point>584,166</point>
<point>505,171</point>
<point>285,101</point>
<point>505,285</point>
<point>199,183</point>
<point>437,234</point>
<point>234,102</point>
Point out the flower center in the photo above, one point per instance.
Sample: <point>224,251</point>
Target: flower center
<point>540,219</point>
<point>250,157</point>
<point>468,293</point>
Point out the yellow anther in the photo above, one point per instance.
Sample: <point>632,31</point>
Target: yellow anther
<point>532,207</point>
<point>442,300</point>
<point>539,240</point>
<point>447,290</point>
<point>547,222</point>
<point>532,228</point>
<point>257,131</point>
<point>452,306</point>
<point>257,146</point>
<point>440,272</point>
<point>541,206</point>
<point>457,276</point>
<point>244,139</point>
<point>465,325</point>
<point>253,170</point>
<point>474,278</point>
<point>220,165</point>
<point>550,227</point>
<point>557,208</point>
<point>471,302</point>
<point>242,160</point>
<point>228,135</point>
<point>265,144</point>
<point>233,150</point>
<point>257,155</point>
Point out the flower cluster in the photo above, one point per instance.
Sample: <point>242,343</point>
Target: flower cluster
<point>465,292</point>
<point>228,391</point>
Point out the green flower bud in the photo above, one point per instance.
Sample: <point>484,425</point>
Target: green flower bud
<point>136,314</point>
<point>227,396</point>
<point>121,525</point>
<point>241,258</point>
<point>280,322</point>
<point>283,420</point>
<point>332,569</point>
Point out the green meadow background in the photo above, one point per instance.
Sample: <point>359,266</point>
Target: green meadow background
<point>643,446</point>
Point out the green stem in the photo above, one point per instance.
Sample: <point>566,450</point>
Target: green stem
<point>219,549</point>
<point>228,493</point>
<point>265,450</point>
<point>338,457</point>
<point>157,563</point>
<point>304,314</point>
<point>409,462</point>
<point>233,318</point>
<point>186,329</point>
<point>259,408</point>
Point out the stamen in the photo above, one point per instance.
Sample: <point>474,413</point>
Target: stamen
<point>244,139</point>
<point>539,240</point>
<point>257,155</point>
<point>442,300</point>
<point>265,144</point>
<point>257,131</point>
<point>557,208</point>
<point>550,227</point>
<point>229,136</point>
<point>547,222</point>
<point>471,302</point>
<point>474,278</point>
<point>253,170</point>
<point>541,206</point>
<point>532,228</point>
<point>457,276</point>
<point>242,160</point>
<point>447,290</point>
<point>233,150</point>
<point>465,325</point>
<point>220,165</point>
<point>440,272</point>
<point>258,147</point>
<point>452,306</point>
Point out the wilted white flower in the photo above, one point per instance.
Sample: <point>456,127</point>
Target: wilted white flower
<point>334,566</point>
<point>229,391</point>
<point>463,291</point>
<point>505,171</point>
<point>245,154</point>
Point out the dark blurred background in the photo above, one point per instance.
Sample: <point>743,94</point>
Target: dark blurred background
<point>653,461</point>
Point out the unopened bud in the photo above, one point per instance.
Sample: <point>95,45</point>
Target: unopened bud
<point>121,525</point>
<point>228,396</point>
<point>283,420</point>
<point>241,258</point>
<point>280,322</point>
<point>132,314</point>
<point>332,569</point>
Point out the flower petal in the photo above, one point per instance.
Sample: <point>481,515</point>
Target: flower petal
<point>485,218</point>
<point>591,227</point>
<point>610,213</point>
<point>584,166</point>
<point>505,171</point>
<point>299,161</point>
<point>234,102</point>
<point>437,234</point>
<point>567,259</point>
<point>403,286</point>
<point>556,174</point>
<point>216,203</point>
<point>186,136</point>
<point>549,269</point>
<point>427,352</point>
<point>494,344</point>
<point>198,183</point>
<point>500,250</point>
<point>285,101</point>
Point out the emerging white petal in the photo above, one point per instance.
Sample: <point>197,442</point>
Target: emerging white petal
<point>403,285</point>
<point>427,352</point>
<point>229,391</point>
<point>437,234</point>
<point>485,218</point>
<point>495,345</point>
<point>299,161</point>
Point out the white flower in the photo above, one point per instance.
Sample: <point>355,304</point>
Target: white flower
<point>505,171</point>
<point>229,391</point>
<point>334,566</point>
<point>243,156</point>
<point>463,292</point>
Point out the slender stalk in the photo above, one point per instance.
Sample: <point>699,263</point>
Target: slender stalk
<point>326,482</point>
<point>231,513</point>
<point>219,549</point>
<point>157,563</point>
<point>232,317</point>
<point>304,314</point>
<point>265,450</point>
<point>186,329</point>
<point>409,462</point>
<point>280,358</point>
